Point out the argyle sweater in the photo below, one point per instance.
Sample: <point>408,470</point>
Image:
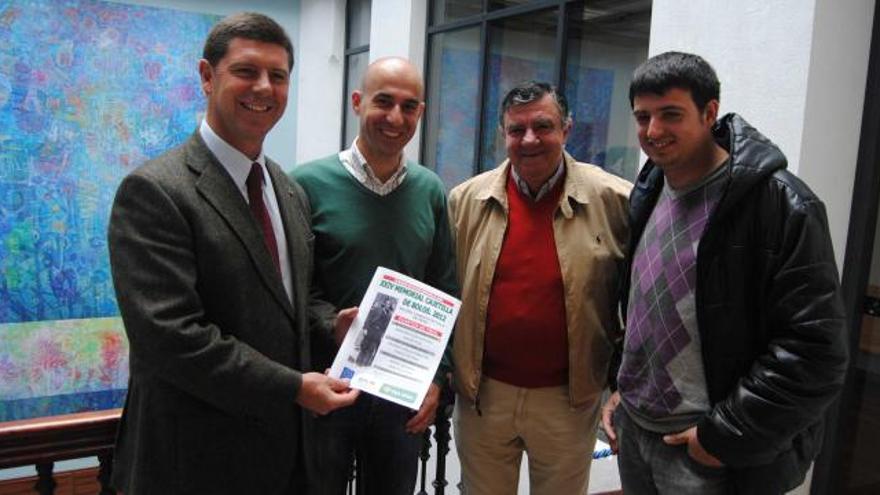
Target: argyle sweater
<point>662,382</point>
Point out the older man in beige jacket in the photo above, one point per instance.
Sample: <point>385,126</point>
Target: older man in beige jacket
<point>538,240</point>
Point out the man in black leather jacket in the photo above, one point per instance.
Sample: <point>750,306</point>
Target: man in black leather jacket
<point>735,335</point>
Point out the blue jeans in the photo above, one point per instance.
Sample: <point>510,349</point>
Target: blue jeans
<point>373,430</point>
<point>649,466</point>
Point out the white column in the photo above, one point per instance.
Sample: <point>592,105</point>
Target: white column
<point>397,28</point>
<point>320,60</point>
<point>834,101</point>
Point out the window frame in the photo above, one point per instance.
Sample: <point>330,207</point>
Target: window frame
<point>350,52</point>
<point>483,20</point>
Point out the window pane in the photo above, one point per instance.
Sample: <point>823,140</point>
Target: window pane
<point>520,48</point>
<point>358,23</point>
<point>605,45</point>
<point>357,64</point>
<point>453,108</point>
<point>451,10</point>
<point>503,4</point>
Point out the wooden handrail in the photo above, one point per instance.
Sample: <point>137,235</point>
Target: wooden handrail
<point>44,441</point>
<point>56,438</point>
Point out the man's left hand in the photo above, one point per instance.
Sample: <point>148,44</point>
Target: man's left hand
<point>342,322</point>
<point>425,416</point>
<point>695,450</point>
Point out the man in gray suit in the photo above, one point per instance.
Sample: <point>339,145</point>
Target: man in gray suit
<point>211,255</point>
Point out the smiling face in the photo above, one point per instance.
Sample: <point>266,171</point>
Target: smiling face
<point>535,134</point>
<point>246,92</point>
<point>389,106</point>
<point>675,134</point>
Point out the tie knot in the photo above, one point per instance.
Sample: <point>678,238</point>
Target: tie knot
<point>255,178</point>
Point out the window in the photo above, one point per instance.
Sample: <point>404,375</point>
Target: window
<point>477,50</point>
<point>357,57</point>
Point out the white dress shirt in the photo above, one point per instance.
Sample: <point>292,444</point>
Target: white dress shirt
<point>238,165</point>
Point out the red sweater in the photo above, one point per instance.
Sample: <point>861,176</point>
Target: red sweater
<point>526,332</point>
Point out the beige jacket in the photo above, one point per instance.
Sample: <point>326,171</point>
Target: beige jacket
<point>590,228</point>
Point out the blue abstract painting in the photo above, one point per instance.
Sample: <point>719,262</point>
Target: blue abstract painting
<point>88,91</point>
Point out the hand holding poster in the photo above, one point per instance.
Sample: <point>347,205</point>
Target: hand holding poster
<point>394,345</point>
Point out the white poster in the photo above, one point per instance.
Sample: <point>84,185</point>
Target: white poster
<point>394,345</point>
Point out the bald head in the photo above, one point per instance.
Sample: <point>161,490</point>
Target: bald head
<point>390,69</point>
<point>389,104</point>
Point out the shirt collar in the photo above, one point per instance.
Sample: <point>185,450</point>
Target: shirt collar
<point>236,163</point>
<point>356,164</point>
<point>523,186</point>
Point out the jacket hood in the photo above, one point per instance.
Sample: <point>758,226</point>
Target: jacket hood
<point>753,157</point>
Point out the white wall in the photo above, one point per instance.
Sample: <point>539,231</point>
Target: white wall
<point>795,69</point>
<point>281,143</point>
<point>760,50</point>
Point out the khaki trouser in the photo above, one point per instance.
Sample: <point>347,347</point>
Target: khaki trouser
<point>559,440</point>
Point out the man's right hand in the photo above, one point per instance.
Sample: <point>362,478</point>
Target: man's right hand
<point>322,394</point>
<point>607,423</point>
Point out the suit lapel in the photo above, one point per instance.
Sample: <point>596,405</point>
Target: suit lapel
<point>219,190</point>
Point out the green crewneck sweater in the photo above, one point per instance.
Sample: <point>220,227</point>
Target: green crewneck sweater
<point>357,230</point>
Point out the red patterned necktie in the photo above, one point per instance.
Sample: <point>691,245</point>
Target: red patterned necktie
<point>261,214</point>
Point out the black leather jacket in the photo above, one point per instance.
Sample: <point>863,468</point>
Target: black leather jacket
<point>769,311</point>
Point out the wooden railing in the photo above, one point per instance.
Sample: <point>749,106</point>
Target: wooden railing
<point>43,441</point>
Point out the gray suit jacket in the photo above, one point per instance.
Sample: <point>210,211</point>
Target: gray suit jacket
<point>216,344</point>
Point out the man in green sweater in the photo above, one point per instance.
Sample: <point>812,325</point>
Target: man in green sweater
<point>372,207</point>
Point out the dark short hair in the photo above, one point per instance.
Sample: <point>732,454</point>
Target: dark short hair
<point>529,91</point>
<point>663,72</point>
<point>247,25</point>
